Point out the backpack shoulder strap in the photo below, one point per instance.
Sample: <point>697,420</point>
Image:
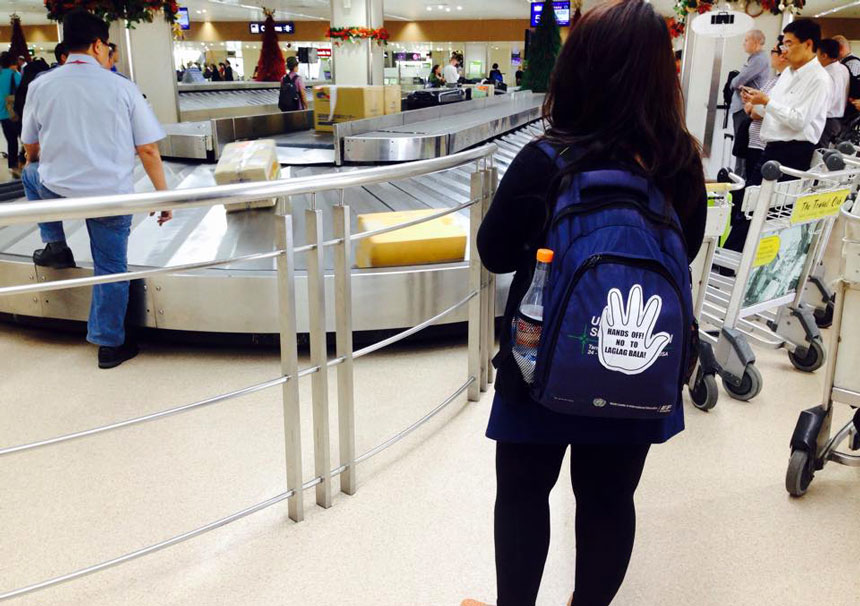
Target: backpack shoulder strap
<point>621,181</point>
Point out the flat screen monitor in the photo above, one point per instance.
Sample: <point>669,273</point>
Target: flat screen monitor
<point>183,19</point>
<point>562,13</point>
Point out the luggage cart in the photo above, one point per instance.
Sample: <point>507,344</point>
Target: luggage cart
<point>812,446</point>
<point>817,293</point>
<point>763,303</point>
<point>703,383</point>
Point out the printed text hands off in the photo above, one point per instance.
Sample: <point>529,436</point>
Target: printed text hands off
<point>626,342</point>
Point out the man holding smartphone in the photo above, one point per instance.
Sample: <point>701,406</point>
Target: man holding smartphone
<point>753,74</point>
<point>795,111</point>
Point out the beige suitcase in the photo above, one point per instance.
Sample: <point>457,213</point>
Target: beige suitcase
<point>248,161</point>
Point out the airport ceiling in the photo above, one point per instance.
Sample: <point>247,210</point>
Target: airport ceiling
<point>33,11</point>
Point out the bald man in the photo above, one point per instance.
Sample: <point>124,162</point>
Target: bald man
<point>754,74</point>
<point>852,62</point>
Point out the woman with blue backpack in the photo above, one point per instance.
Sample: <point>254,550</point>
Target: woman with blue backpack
<point>616,190</point>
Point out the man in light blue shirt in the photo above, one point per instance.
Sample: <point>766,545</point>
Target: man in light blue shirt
<point>82,127</point>
<point>192,75</point>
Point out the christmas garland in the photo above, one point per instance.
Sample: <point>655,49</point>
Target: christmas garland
<point>777,7</point>
<point>678,25</point>
<point>130,11</point>
<point>339,35</point>
<point>676,29</point>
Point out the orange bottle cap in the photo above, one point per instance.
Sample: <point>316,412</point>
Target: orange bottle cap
<point>545,255</point>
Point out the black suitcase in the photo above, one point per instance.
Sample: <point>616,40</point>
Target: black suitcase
<point>420,99</point>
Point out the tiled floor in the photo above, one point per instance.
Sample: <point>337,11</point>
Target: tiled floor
<point>716,527</point>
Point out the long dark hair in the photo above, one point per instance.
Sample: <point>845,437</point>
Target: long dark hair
<point>615,95</point>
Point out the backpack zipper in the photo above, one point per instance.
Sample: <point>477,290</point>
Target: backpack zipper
<point>603,203</point>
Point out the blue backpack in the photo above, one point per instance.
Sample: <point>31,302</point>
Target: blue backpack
<point>619,334</point>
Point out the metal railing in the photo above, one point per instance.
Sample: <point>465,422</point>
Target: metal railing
<point>479,298</point>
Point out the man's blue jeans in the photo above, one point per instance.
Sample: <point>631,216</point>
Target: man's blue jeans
<point>109,247</point>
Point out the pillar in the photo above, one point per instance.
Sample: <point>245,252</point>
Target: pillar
<point>146,57</point>
<point>362,62</point>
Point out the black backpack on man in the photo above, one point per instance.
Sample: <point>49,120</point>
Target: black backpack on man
<point>288,99</point>
<point>853,64</point>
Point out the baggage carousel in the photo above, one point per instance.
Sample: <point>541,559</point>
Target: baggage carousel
<point>208,100</point>
<point>242,298</point>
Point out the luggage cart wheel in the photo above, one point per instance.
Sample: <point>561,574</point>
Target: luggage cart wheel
<point>705,392</point>
<point>800,473</point>
<point>749,387</point>
<point>824,317</point>
<point>812,361</point>
<point>854,442</point>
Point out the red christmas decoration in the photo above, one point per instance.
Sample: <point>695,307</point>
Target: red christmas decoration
<point>18,47</point>
<point>676,29</point>
<point>270,67</point>
<point>130,11</point>
<point>339,35</point>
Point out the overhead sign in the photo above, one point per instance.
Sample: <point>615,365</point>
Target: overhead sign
<point>562,12</point>
<point>281,27</point>
<point>183,19</point>
<point>324,53</point>
<point>722,24</point>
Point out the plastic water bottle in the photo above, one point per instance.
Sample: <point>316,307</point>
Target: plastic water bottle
<point>528,322</point>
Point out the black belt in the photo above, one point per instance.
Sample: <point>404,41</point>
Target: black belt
<point>786,144</point>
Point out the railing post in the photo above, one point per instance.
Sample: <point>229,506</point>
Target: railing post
<point>343,320</point>
<point>289,358</point>
<point>493,174</point>
<point>485,300</point>
<point>476,305</point>
<point>319,354</point>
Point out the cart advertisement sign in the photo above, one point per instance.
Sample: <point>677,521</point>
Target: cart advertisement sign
<point>818,206</point>
<point>778,265</point>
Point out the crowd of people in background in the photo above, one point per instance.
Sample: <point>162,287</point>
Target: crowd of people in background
<point>195,72</point>
<point>452,74</point>
<point>16,74</point>
<point>802,95</point>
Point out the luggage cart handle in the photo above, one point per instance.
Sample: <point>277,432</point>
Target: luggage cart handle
<point>737,184</point>
<point>773,170</point>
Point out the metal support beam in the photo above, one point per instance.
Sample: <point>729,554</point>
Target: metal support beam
<point>289,360</point>
<point>476,306</point>
<point>493,174</point>
<point>343,320</point>
<point>319,355</point>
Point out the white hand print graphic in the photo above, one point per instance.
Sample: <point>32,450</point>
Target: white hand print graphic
<point>626,344</point>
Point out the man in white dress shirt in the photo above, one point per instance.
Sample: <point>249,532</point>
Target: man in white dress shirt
<point>828,56</point>
<point>452,76</point>
<point>795,111</point>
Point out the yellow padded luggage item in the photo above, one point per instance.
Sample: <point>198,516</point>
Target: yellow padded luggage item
<point>441,240</point>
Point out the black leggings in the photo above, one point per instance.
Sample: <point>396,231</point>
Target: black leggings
<point>604,479</point>
<point>11,130</point>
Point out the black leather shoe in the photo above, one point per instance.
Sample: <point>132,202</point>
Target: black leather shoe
<point>111,357</point>
<point>50,257</point>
